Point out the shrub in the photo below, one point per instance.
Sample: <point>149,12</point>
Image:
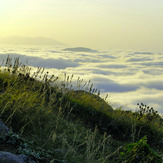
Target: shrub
<point>139,152</point>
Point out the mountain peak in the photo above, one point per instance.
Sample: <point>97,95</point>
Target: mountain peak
<point>18,40</point>
<point>81,49</point>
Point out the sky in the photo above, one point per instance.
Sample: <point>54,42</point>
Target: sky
<point>127,24</point>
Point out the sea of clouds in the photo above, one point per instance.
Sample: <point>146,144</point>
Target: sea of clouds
<point>127,76</point>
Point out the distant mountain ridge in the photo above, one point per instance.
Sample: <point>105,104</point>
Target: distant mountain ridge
<point>81,49</point>
<point>17,40</point>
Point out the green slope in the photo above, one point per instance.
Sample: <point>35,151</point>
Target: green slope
<point>75,126</point>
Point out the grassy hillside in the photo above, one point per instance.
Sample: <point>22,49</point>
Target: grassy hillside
<point>52,121</point>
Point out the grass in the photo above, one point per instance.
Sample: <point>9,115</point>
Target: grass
<point>55,120</point>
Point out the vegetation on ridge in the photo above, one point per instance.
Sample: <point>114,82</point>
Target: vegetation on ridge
<point>71,124</point>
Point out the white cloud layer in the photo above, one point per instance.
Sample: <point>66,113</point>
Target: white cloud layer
<point>129,77</point>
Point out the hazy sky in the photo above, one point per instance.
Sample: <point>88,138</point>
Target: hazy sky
<point>91,23</point>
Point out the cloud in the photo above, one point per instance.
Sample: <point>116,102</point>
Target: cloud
<point>88,60</point>
<point>155,85</point>
<point>150,97</point>
<point>129,100</point>
<point>143,53</point>
<point>107,56</point>
<point>107,72</point>
<point>128,77</point>
<point>139,59</point>
<point>104,72</point>
<point>137,53</point>
<point>154,72</point>
<point>115,66</point>
<point>108,85</point>
<point>41,62</point>
<point>158,64</point>
<point>54,51</point>
<point>52,63</point>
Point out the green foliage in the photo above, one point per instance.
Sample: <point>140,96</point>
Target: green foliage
<point>139,152</point>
